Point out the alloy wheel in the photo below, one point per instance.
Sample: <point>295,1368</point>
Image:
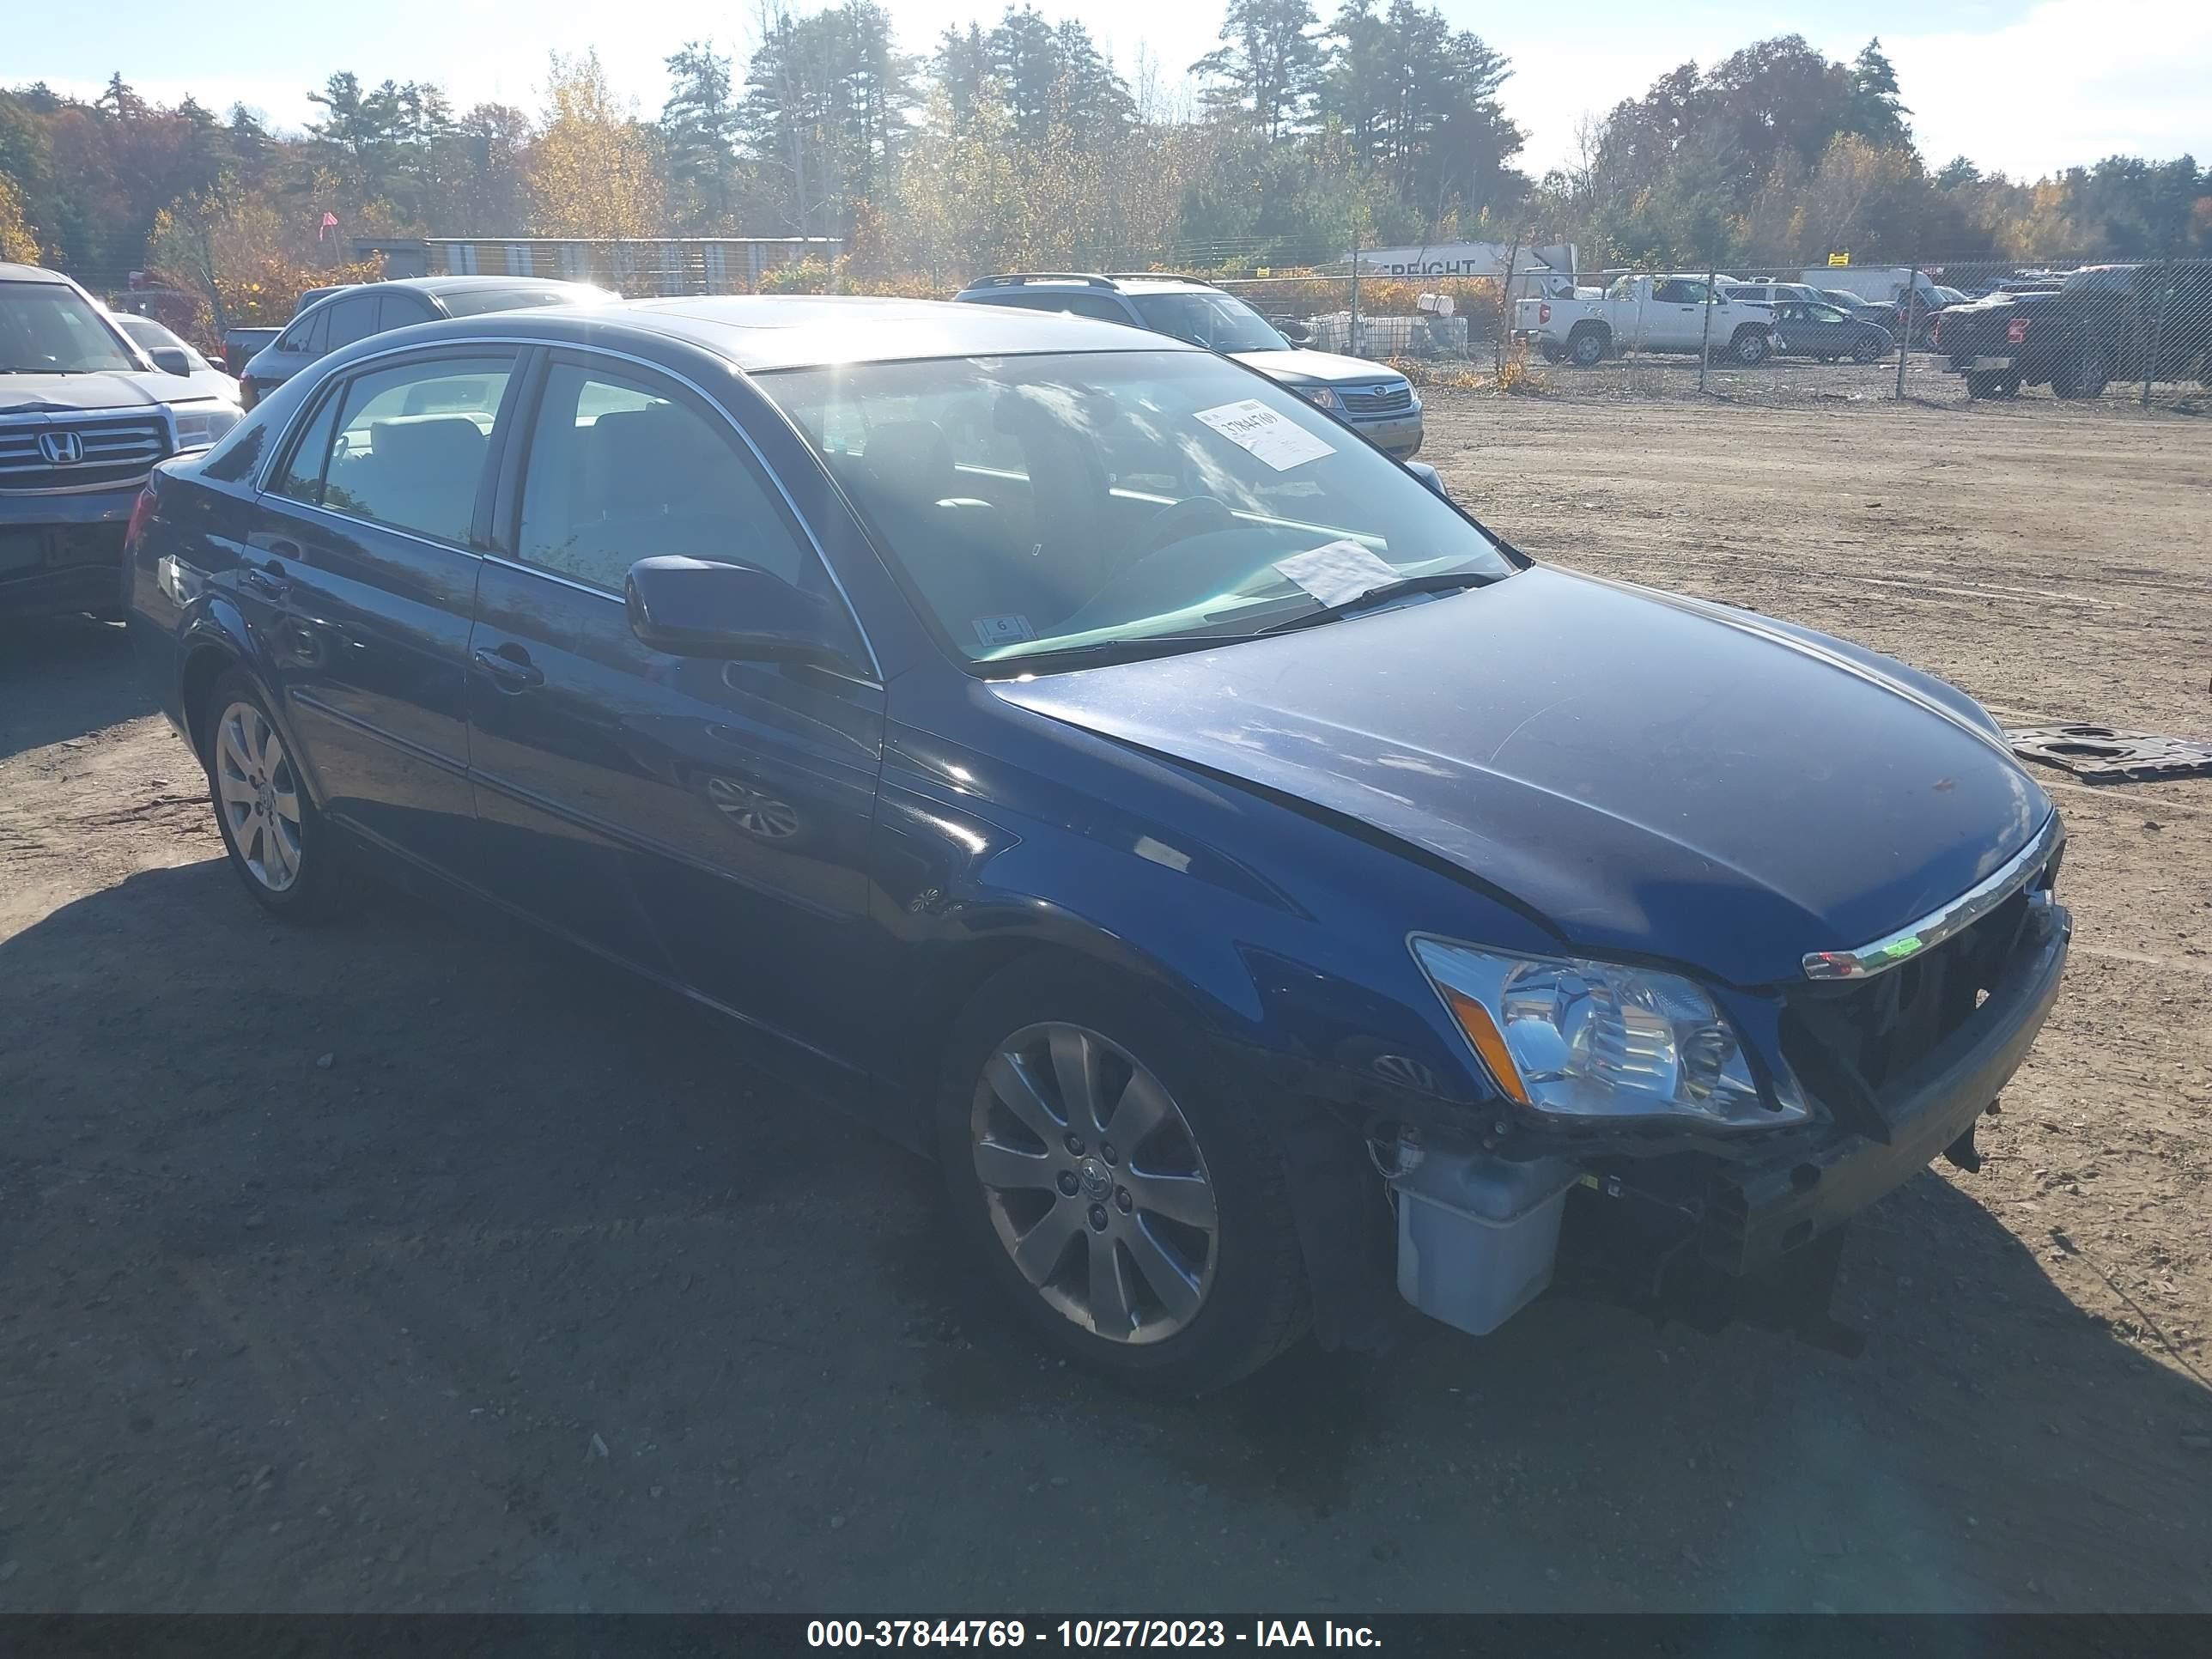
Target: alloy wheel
<point>258,795</point>
<point>754,813</point>
<point>1094,1182</point>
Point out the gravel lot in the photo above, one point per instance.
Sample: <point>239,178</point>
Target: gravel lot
<point>416,1264</point>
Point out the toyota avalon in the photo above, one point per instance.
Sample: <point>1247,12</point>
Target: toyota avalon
<point>1261,888</point>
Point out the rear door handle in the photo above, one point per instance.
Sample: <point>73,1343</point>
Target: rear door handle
<point>509,667</point>
<point>266,579</point>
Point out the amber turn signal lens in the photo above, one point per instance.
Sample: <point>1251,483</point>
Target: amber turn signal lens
<point>1489,1041</point>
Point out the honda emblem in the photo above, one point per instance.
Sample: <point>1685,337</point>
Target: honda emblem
<point>62,448</point>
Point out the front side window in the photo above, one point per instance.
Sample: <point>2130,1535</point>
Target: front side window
<point>397,310</point>
<point>1216,321</point>
<point>1115,500</point>
<point>48,329</point>
<point>351,319</point>
<point>622,469</point>
<point>410,445</point>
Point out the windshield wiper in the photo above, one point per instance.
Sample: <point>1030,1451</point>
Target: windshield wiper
<point>1104,651</point>
<point>1448,581</point>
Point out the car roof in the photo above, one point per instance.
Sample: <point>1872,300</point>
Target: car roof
<point>760,332</point>
<point>1116,282</point>
<point>11,273</point>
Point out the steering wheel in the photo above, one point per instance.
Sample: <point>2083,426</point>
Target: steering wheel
<point>1193,515</point>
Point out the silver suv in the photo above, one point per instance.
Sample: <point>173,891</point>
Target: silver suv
<point>1378,402</point>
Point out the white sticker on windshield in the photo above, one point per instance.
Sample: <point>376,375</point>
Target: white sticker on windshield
<point>1002,630</point>
<point>1337,572</point>
<point>1281,443</point>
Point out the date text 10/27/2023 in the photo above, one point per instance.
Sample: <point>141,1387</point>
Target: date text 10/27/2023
<point>1087,1633</point>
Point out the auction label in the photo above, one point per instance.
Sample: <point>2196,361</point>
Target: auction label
<point>1251,425</point>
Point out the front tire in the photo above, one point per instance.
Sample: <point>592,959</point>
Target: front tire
<point>1750,346</point>
<point>1866,349</point>
<point>1119,1187</point>
<point>279,844</point>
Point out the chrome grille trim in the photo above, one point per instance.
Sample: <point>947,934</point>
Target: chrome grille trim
<point>1931,930</point>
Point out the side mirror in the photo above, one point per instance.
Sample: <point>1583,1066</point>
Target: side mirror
<point>1429,477</point>
<point>1297,333</point>
<point>693,608</point>
<point>171,359</point>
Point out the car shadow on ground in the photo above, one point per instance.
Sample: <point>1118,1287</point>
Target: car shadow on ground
<point>64,678</point>
<point>412,1262</point>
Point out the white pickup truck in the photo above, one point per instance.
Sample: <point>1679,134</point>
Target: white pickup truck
<point>1647,313</point>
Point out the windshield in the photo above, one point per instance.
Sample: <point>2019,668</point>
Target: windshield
<point>2101,279</point>
<point>1116,501</point>
<point>1215,321</point>
<point>47,329</point>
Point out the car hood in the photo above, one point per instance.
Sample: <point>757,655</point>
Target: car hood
<point>1317,367</point>
<point>78,394</point>
<point>1654,776</point>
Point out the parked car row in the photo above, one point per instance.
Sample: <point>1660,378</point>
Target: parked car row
<point>1117,778</point>
<point>1746,323</point>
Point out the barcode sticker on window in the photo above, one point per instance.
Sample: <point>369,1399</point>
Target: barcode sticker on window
<point>1251,425</point>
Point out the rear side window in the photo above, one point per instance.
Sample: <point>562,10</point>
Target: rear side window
<point>301,477</point>
<point>309,334</point>
<point>410,444</point>
<point>622,469</point>
<point>1080,305</point>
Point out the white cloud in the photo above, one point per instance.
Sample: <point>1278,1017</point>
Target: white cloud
<point>2072,81</point>
<point>2066,83</point>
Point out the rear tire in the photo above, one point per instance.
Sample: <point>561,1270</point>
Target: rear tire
<point>280,846</point>
<point>2085,375</point>
<point>1588,347</point>
<point>1169,1261</point>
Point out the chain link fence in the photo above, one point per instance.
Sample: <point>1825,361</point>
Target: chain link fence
<point>2106,331</point>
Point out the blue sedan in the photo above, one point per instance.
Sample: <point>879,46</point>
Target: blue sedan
<point>1258,885</point>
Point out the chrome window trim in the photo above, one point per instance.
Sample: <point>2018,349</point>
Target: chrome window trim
<point>1952,918</point>
<point>518,340</point>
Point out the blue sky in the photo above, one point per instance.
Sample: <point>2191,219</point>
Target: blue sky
<point>2022,85</point>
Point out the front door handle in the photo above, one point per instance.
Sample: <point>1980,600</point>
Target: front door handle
<point>510,667</point>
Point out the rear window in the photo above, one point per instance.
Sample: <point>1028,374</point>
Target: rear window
<point>472,302</point>
<point>2102,279</point>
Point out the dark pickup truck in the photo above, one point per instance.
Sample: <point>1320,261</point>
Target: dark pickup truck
<point>2104,323</point>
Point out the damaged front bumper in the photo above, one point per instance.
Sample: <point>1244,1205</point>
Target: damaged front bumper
<point>1480,1235</point>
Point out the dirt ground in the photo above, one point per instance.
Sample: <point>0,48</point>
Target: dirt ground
<point>415,1264</point>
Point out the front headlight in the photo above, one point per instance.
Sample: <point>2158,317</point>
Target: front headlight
<point>1597,1039</point>
<point>199,428</point>
<point>1325,397</point>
